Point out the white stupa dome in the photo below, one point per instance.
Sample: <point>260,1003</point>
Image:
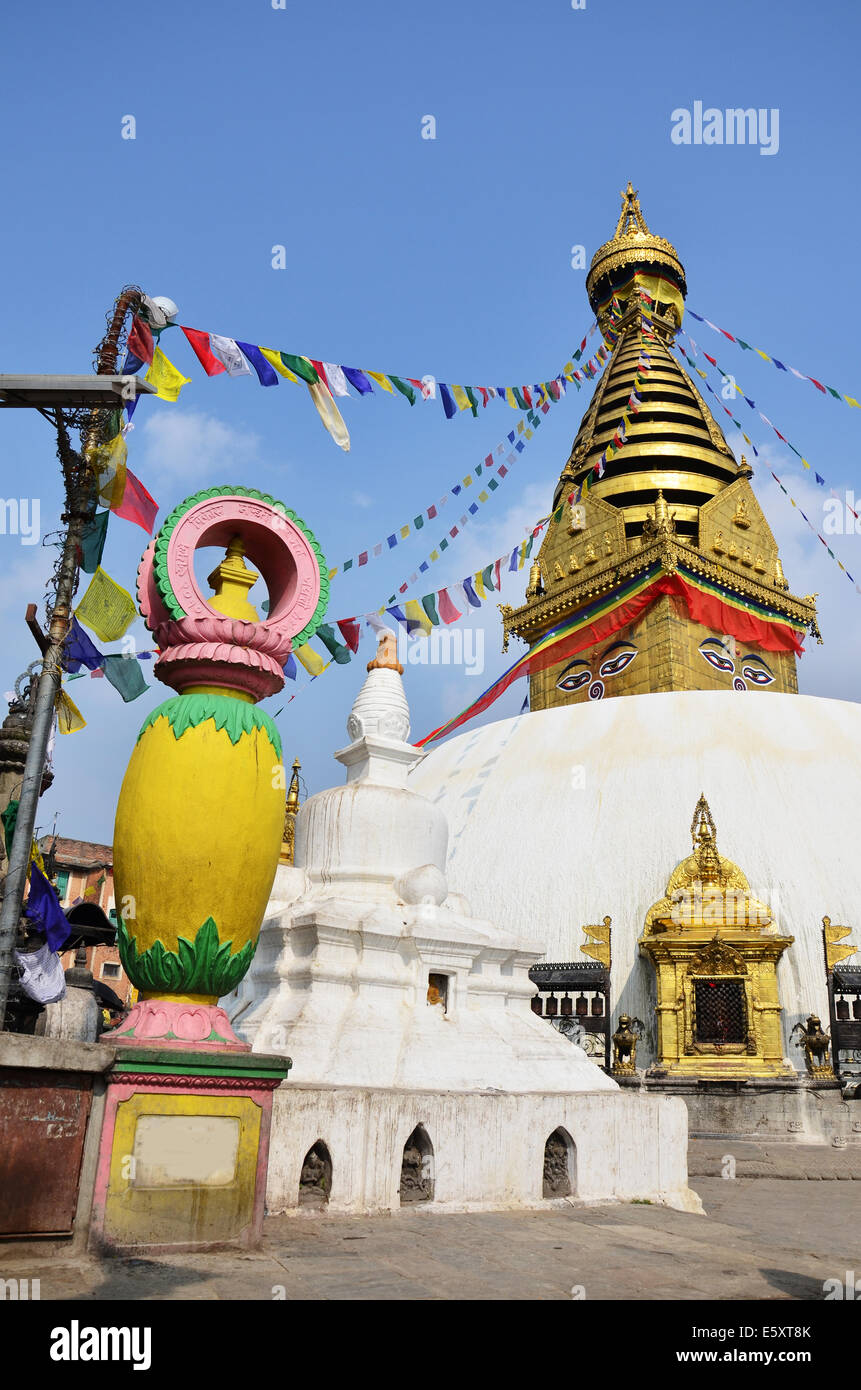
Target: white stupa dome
<point>560,817</point>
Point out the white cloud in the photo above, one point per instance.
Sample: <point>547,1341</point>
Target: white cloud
<point>361,499</point>
<point>189,445</point>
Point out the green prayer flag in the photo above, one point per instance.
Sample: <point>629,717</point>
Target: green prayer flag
<point>493,484</point>
<point>300,366</point>
<point>519,398</point>
<point>743,344</point>
<point>9,819</point>
<point>429,605</point>
<point>125,675</point>
<point>443,545</point>
<point>336,649</point>
<point>418,522</point>
<point>93,542</point>
<point>404,389</point>
<point>836,394</point>
<point>528,551</point>
<point>486,578</point>
<point>470,395</point>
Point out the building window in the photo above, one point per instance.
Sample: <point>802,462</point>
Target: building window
<point>720,1011</point>
<point>63,883</point>
<point>438,991</point>
<point>111,971</point>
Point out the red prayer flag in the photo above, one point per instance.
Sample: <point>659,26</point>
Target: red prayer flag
<point>318,368</point>
<point>200,345</point>
<point>446,608</point>
<point>431,513</point>
<point>710,359</point>
<point>349,630</point>
<point>136,504</point>
<point>363,558</point>
<point>817,384</point>
<point>727,335</point>
<point>140,340</point>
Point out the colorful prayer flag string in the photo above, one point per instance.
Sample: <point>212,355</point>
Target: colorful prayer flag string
<point>775,362</point>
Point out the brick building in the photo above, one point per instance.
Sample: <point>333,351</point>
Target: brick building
<point>84,873</point>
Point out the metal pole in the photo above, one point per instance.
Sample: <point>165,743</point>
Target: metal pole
<point>80,509</point>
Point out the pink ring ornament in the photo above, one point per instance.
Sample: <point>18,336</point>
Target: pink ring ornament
<point>199,645</point>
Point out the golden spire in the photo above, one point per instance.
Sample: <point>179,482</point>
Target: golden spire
<point>631,219</point>
<point>231,580</point>
<point>536,583</point>
<point>291,811</point>
<point>780,580</point>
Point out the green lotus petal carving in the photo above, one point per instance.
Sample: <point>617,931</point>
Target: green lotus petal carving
<point>203,966</point>
<point>162,542</point>
<point>234,716</point>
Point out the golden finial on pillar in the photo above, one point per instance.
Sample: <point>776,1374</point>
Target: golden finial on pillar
<point>780,580</point>
<point>536,583</point>
<point>291,811</point>
<point>231,580</point>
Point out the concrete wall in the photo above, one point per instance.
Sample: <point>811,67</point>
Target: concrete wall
<point>488,1147</point>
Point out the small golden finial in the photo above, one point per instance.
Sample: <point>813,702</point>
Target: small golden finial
<point>231,581</point>
<point>704,836</point>
<point>631,214</point>
<point>291,810</point>
<point>780,580</point>
<point>387,655</point>
<point>293,789</point>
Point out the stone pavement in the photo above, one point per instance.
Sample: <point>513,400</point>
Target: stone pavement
<point>774,1159</point>
<point>762,1239</point>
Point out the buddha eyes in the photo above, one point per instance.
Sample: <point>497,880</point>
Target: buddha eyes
<point>760,675</point>
<point>579,673</point>
<point>714,658</point>
<point>617,663</point>
<point>574,678</point>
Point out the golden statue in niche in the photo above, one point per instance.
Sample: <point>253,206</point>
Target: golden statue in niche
<point>715,948</point>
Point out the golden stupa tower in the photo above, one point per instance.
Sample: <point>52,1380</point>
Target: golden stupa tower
<point>672,501</point>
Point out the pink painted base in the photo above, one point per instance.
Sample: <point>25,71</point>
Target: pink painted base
<point>172,1023</point>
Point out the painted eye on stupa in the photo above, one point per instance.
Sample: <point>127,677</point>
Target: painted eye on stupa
<point>756,670</point>
<point>616,658</point>
<point>575,676</point>
<point>717,655</point>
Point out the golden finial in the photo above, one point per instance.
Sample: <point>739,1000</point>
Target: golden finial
<point>387,655</point>
<point>231,580</point>
<point>780,581</point>
<point>704,836</point>
<point>291,810</point>
<point>631,213</point>
<point>293,789</point>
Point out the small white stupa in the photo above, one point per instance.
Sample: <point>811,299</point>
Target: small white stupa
<point>409,1021</point>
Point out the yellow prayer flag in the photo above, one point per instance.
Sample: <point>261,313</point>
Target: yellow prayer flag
<point>806,464</point>
<point>381,381</point>
<point>764,355</point>
<point>461,397</point>
<point>520,427</point>
<point>414,610</point>
<point>850,400</point>
<point>69,717</point>
<point>482,496</point>
<point>109,465</point>
<point>310,659</point>
<point>527,434</point>
<point>329,414</point>
<point>36,858</point>
<point>106,607</point>
<point>478,585</point>
<point>405,531</point>
<point>467,482</point>
<point>274,360</point>
<point>165,377</point>
<point>434,554</point>
<point>509,396</point>
<point>332,573</point>
<point>569,367</point>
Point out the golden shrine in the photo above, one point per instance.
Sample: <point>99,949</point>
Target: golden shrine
<point>652,497</point>
<point>715,950</point>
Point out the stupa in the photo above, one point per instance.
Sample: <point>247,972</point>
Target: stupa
<point>671,676</point>
<point>420,1071</point>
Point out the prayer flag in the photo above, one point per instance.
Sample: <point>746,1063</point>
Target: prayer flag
<point>417,614</point>
<point>227,351</point>
<point>349,630</point>
<point>447,610</point>
<point>429,605</point>
<point>125,675</point>
<point>93,542</point>
<point>404,389</point>
<point>448,404</point>
<point>301,366</point>
<point>79,650</point>
<point>140,341</point>
<point>136,504</point>
<point>290,667</point>
<point>330,414</point>
<point>310,659</point>
<point>69,717</point>
<point>164,376</point>
<point>471,595</point>
<point>359,381</point>
<point>337,380</point>
<point>107,608</point>
<point>274,360</point>
<point>335,648</point>
<point>381,381</point>
<point>200,346</point>
<point>43,910</point>
<point>265,375</point>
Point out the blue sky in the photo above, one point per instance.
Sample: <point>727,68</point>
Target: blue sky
<point>301,127</point>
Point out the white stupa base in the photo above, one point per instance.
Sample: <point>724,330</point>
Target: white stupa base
<point>488,1148</point>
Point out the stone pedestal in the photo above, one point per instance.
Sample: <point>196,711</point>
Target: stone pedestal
<point>184,1150</point>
